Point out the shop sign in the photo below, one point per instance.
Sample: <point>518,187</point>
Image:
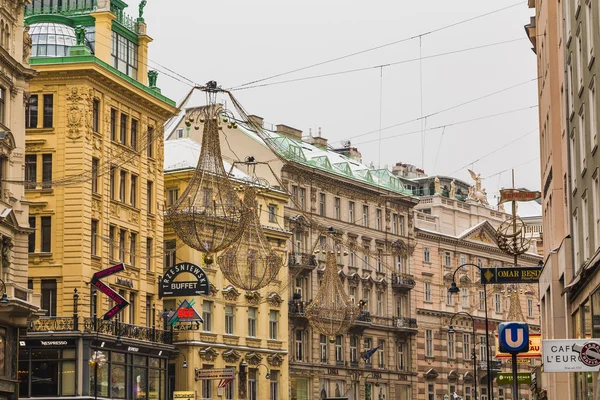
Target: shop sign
<point>170,288</point>
<point>47,343</point>
<point>124,282</point>
<point>185,313</point>
<point>571,355</point>
<point>220,373</point>
<point>510,275</point>
<point>120,302</point>
<point>535,348</point>
<point>184,395</point>
<point>518,195</point>
<point>506,378</point>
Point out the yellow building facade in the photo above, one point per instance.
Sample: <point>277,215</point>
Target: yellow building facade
<point>94,186</point>
<point>244,330</point>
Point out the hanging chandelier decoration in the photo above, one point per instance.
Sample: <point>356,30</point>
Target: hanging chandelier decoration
<point>331,312</point>
<point>251,263</point>
<point>209,216</point>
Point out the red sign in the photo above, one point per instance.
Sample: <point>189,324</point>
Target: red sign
<point>518,195</point>
<point>120,302</point>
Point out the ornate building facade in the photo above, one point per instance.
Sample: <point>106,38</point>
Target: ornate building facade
<point>239,326</point>
<point>94,185</point>
<point>18,303</point>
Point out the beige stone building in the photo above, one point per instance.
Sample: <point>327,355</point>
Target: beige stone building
<point>17,301</point>
<point>373,211</point>
<point>451,232</point>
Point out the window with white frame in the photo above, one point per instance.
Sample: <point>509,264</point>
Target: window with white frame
<point>498,303</point>
<point>427,291</point>
<point>365,215</point>
<point>402,356</point>
<point>466,346</point>
<point>501,390</point>
<point>379,260</point>
<point>481,300</point>
<point>273,324</point>
<point>353,348</point>
<point>482,349</point>
<point>207,315</point>
<point>401,217</point>
<point>229,318</point>
<point>581,132</point>
<point>366,258</point>
<point>378,219</point>
<point>596,207</point>
<point>451,345</point>
<point>447,259</point>
<point>323,349</point>
<point>336,208</point>
<point>300,345</point>
<point>426,254</point>
<point>463,259</point>
<point>449,299</point>
<point>380,303</point>
<point>367,298</point>
<point>274,385</point>
<point>352,294</point>
<point>395,224</point>
<point>586,231</point>
<point>339,349</point>
<point>252,311</point>
<point>322,209</point>
<point>272,213</point>
<point>464,297</point>
<point>530,308</point>
<point>172,196</point>
<point>428,343</point>
<point>351,212</point>
<point>381,354</point>
<point>593,113</point>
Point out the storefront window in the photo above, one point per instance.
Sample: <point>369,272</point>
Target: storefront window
<point>299,388</point>
<point>140,382</point>
<point>46,372</point>
<point>2,351</point>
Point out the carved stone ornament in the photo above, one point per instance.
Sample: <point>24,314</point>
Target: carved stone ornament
<point>79,112</point>
<point>253,358</point>
<point>231,356</point>
<point>274,299</point>
<point>115,210</point>
<point>230,293</point>
<point>208,354</point>
<point>253,297</point>
<point>213,290</point>
<point>275,360</point>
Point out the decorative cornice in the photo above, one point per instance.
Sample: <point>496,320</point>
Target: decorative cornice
<point>275,360</point>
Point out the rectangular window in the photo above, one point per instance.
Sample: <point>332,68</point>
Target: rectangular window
<point>112,231</point>
<point>31,112</point>
<point>122,181</point>
<point>449,299</point>
<point>123,130</point>
<point>353,349</point>
<point>132,248</point>
<point>336,207</point>
<point>401,225</point>
<point>380,303</point>
<point>379,260</point>
<point>430,391</point>
<point>593,114</point>
<point>378,219</point>
<point>94,237</point>
<point>149,254</point>
<point>272,213</point>
<point>462,259</point>
<point>323,349</point>
<point>96,115</point>
<point>31,243</point>
<point>49,297</point>
<point>428,343</point>
<point>170,253</point>
<point>46,171</point>
<point>299,345</point>
<point>451,345</point>
<point>206,383</point>
<point>366,258</point>
<point>273,324</point>
<point>352,294</point>
<point>95,165</point>
<point>207,315</point>
<point>30,171</point>
<point>274,385</point>
<point>381,354</point>
<point>122,234</point>
<point>483,349</point>
<point>252,385</point>
<point>498,303</point>
<point>133,190</point>
<point>339,349</point>
<point>113,124</point>
<point>229,318</point>
<point>426,254</point>
<point>464,297</point>
<point>596,207</point>
<point>481,300</point>
<point>132,307</point>
<point>150,196</point>
<point>303,198</point>
<point>134,134</point>
<point>150,149</point>
<point>322,210</point>
<point>466,345</point>
<point>365,215</point>
<point>427,291</point>
<point>351,212</point>
<point>447,259</point>
<point>530,308</point>
<point>172,196</point>
<point>46,234</point>
<point>2,105</point>
<point>252,311</point>
<point>402,357</point>
<point>48,110</point>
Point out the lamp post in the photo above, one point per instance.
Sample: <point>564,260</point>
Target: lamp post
<point>473,352</point>
<point>268,375</point>
<point>367,394</point>
<point>454,289</point>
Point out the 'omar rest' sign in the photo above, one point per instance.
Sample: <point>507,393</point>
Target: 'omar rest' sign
<point>571,355</point>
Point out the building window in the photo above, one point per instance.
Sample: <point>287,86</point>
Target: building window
<point>124,55</point>
<point>323,349</point>
<point>426,254</point>
<point>132,248</point>
<point>46,234</point>
<point>447,259</point>
<point>302,198</point>
<point>31,112</point>
<point>149,311</point>
<point>464,296</point>
<point>112,239</point>
<point>322,210</point>
<point>48,110</point>
<point>252,311</point>
<point>339,349</point>
<point>379,260</point>
<point>31,243</point>
<point>366,298</point>
<point>351,212</point>
<point>207,315</point>
<point>395,224</point>
<point>95,165</point>
<point>451,345</point>
<point>401,225</point>
<point>449,298</point>
<point>336,208</point>
<point>113,124</point>
<point>481,300</point>
<point>402,357</point>
<point>150,196</point>
<point>273,324</point>
<point>498,303</point>
<point>170,253</point>
<point>132,307</point>
<point>134,134</point>
<point>172,196</point>
<point>430,391</point>
<point>483,349</point>
<point>96,115</point>
<point>462,259</point>
<point>272,213</point>
<point>466,345</point>
<point>428,343</point>
<point>299,345</point>
<point>380,303</point>
<point>122,234</point>
<point>30,171</point>
<point>49,297</point>
<point>46,171</point>
<point>530,308</point>
<point>353,349</point>
<point>149,254</point>
<point>229,320</point>
<point>206,386</point>
<point>122,181</point>
<point>381,354</point>
<point>2,105</point>
<point>150,148</point>
<point>252,387</point>
<point>94,237</point>
<point>274,385</point>
<point>365,215</point>
<point>46,372</point>
<point>378,219</point>
<point>123,130</point>
<point>427,291</point>
<point>133,190</point>
<point>366,258</point>
<point>113,178</point>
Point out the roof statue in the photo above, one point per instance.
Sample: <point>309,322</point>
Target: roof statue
<point>437,185</point>
<point>476,192</point>
<point>80,35</point>
<point>452,189</point>
<point>141,8</point>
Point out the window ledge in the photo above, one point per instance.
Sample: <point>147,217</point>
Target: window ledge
<point>41,254</point>
<point>38,131</point>
<point>124,146</point>
<point>41,191</point>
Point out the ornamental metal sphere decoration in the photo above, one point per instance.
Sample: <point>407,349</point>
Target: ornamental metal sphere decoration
<point>251,263</point>
<point>512,237</point>
<point>208,216</point>
<point>331,312</point>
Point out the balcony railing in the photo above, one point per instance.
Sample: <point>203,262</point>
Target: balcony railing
<point>494,364</point>
<point>297,308</point>
<point>303,260</point>
<point>403,281</point>
<point>66,9</point>
<point>98,325</point>
<point>365,317</point>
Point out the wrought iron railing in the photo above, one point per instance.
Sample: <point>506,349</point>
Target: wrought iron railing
<point>52,324</point>
<point>401,322</point>
<point>120,329</point>
<point>393,322</point>
<point>302,260</point>
<point>404,281</point>
<point>297,307</point>
<point>66,9</point>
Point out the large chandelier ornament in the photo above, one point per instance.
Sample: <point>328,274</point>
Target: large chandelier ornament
<point>512,236</point>
<point>331,312</point>
<point>251,263</point>
<point>208,216</point>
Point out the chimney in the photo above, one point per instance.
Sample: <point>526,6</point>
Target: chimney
<point>320,141</point>
<point>256,120</point>
<point>289,131</point>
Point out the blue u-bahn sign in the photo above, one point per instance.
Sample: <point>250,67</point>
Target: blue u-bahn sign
<point>513,337</point>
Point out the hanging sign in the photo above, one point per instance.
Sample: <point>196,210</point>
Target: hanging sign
<point>120,302</point>
<point>510,275</point>
<point>217,373</point>
<point>535,348</point>
<point>185,313</point>
<point>518,195</point>
<point>170,288</point>
<point>571,355</point>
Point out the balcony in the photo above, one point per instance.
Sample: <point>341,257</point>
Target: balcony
<point>297,308</point>
<point>403,282</point>
<point>495,365</point>
<point>100,326</point>
<point>302,260</point>
<point>365,319</point>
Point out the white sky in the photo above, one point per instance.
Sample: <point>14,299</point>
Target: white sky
<point>237,41</point>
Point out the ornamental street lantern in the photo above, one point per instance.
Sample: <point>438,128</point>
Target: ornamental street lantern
<point>331,312</point>
<point>251,263</point>
<point>208,216</point>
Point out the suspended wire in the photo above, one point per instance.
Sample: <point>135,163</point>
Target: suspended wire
<point>378,47</point>
<point>421,99</point>
<point>438,151</point>
<point>516,166</point>
<point>380,113</point>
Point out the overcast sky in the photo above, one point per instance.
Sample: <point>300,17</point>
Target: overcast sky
<point>239,41</point>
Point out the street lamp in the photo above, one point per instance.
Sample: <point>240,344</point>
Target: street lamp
<point>184,365</point>
<point>454,289</point>
<point>268,375</point>
<point>473,353</point>
<point>376,385</point>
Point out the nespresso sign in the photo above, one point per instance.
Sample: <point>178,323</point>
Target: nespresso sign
<point>47,343</point>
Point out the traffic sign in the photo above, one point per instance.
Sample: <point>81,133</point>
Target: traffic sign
<point>513,337</point>
<point>120,302</point>
<point>506,378</point>
<point>510,275</point>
